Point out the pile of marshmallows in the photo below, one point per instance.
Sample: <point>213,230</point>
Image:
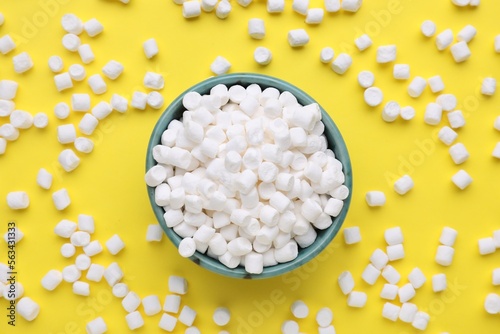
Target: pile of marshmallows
<point>246,176</point>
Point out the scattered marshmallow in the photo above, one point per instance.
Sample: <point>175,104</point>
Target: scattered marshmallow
<point>433,113</point>
<point>352,235</point>
<point>18,200</point>
<point>71,274</point>
<point>417,86</point>
<point>56,64</point>
<point>61,199</point>
<point>80,239</point>
<point>389,291</point>
<point>51,280</point>
<point>95,272</point>
<point>208,5</point>
<point>300,6</point>
<point>299,309</point>
<point>66,133</point>
<point>68,250</point>
<point>447,135</point>
<point>496,151</point>
<point>275,6</point>
<point>72,24</point>
<point>492,303</point>
<point>408,312</point>
<point>416,278</point>
<point>461,3</point>
<point>27,308</point>
<point>421,320</point>
<point>97,84</point>
<point>21,119</point>
<point>112,69</point>
<point>391,311</point>
<point>407,113</point>
<point>177,284</point>
<point>139,100</point>
<point>439,282</point>
<point>332,6</point>
<point>68,160</point>
<point>448,236</point>
<point>262,55</point>
<point>373,96</point>
<point>93,27</point>
<point>346,282</point>
<point>256,28</point>
<point>391,111</point>
<point>134,320</point>
<point>115,244</point>
<point>466,34</point>
<point>167,322</point>
<point>120,290</point>
<point>342,63</point>
<point>458,153</point>
<point>436,84</point>
<point>370,274</point>
<point>363,42</point>
<point>96,326</point>
<point>357,299</point>
<point>488,86</point>
<point>22,62</point>
<point>187,316</point>
<point>297,38</point>
<point>314,15</point>
<point>444,39</point>
<point>150,48</point>
<point>154,233</point>
<point>460,52</point>
<point>401,71</point>
<point>386,54</point>
<point>403,185</point>
<point>81,288</point>
<point>191,9</point>
<point>444,255</point>
<point>221,316</point>
<point>82,262</point>
<point>120,104</point>
<point>428,28</point>
<point>6,108</point>
<point>44,178</point>
<point>86,53</point>
<point>289,327</point>
<point>71,42</point>
<point>223,9</point>
<point>395,252</point>
<point>63,81</point>
<point>324,317</point>
<point>365,78</point>
<point>9,132</point>
<point>114,274</point>
<point>351,5</point>
<point>7,44</point>
<point>456,119</point>
<point>151,305</point>
<point>8,89</point>
<point>486,246</point>
<point>40,120</point>
<point>375,198</point>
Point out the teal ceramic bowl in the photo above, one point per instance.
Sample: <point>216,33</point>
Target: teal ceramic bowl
<point>335,143</point>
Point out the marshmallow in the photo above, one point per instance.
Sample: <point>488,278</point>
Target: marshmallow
<point>299,309</point>
<point>428,28</point>
<point>7,44</point>
<point>97,84</point>
<point>300,6</point>
<point>421,320</point>
<point>8,89</point>
<point>56,64</point>
<point>363,42</point>
<point>220,65</point>
<point>244,3</point>
<point>357,299</point>
<point>324,317</point>
<point>262,55</point>
<point>444,39</point>
<point>436,84</point>
<point>390,311</point>
<point>373,96</point>
<point>40,120</point>
<point>444,255</point>
<point>150,48</point>
<point>18,200</point>
<point>488,86</point>
<point>13,291</point>
<point>66,133</point>
<point>466,34</point>
<point>416,87</point>
<point>461,179</point>
<point>68,250</point>
<point>447,135</point>
<point>461,3</point>
<point>95,272</point>
<point>187,247</point>
<point>286,253</point>
<point>496,151</point>
<point>80,239</point>
<point>370,274</point>
<point>93,27</point>
<point>352,235</point>
<point>297,38</point>
<point>314,15</point>
<point>458,153</point>
<point>51,280</point>
<point>155,100</point>
<point>496,276</point>
<point>351,5</point>
<point>6,108</point>
<point>27,308</point>
<point>69,160</point>
<point>71,42</point>
<point>131,302</point>
<point>208,5</point>
<point>86,53</point>
<point>486,246</point>
<point>22,62</point>
<point>115,244</point>
<point>139,100</point>
<point>223,9</point>
<point>460,51</point>
<point>71,274</point>
<point>433,113</point>
<point>154,233</point>
<point>474,3</point>
<point>167,322</point>
<point>82,262</point>
<point>221,316</point>
<point>365,78</point>
<point>492,303</point>
<point>391,275</point>
<point>101,110</point>
<point>386,54</point>
<point>172,303</point>
<point>154,80</point>
<point>151,305</point>
<point>448,236</point>
<point>113,274</point>
<point>88,124</point>
<point>177,284</point>
<point>342,63</point>
<point>401,71</point>
<point>256,28</point>
<point>391,111</point>
<point>416,278</point>
<point>332,6</point>
<point>395,252</point>
<point>44,178</point>
<point>81,288</point>
<point>497,44</point>
<point>439,282</point>
<point>84,145</point>
<point>21,119</point>
<point>375,198</point>
<point>3,145</point>
<point>379,259</point>
<point>456,119</point>
<point>134,320</point>
<point>187,316</point>
<point>290,327</point>
<point>408,312</point>
<point>65,228</point>
<point>96,326</point>
<point>275,6</point>
<point>9,132</point>
<point>389,292</point>
<point>72,24</point>
<point>63,81</point>
<point>120,104</point>
<point>403,184</point>
<point>80,102</point>
<point>191,9</point>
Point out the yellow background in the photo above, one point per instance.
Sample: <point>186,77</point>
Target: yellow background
<point>109,182</point>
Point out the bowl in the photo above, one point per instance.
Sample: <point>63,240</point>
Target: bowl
<point>335,143</point>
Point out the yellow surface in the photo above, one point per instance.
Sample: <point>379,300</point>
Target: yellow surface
<point>109,182</point>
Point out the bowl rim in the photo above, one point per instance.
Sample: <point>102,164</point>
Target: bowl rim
<point>338,145</point>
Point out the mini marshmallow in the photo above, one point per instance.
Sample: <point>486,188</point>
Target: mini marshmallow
<point>373,96</point>
<point>191,9</point>
<point>84,145</point>
<point>153,80</point>
<point>7,44</point>
<point>120,290</point>
<point>379,259</point>
<point>101,110</point>
<point>486,246</point>
<point>86,53</point>
<point>326,55</point>
<point>351,5</point>
<point>474,3</point>
<point>223,9</point>
<point>244,3</point>
<point>80,102</point>
<point>408,312</point>
<point>187,247</point>
<point>448,236</point>
<point>389,291</point>
<point>444,39</point>
<point>332,6</point>
<point>300,6</point>
<point>81,288</point>
<point>63,81</point>
<point>447,135</point>
<point>444,255</point>
<point>151,305</point>
<point>416,278</point>
<point>115,244</point>
<point>390,311</point>
<point>177,284</point>
<point>150,48</point>
<point>88,124</point>
<point>65,228</point>
<point>113,274</point>
<point>221,316</point>
<point>365,79</point>
<point>22,62</point>
<point>56,64</point>
<point>370,274</point>
<point>342,63</point>
<point>18,200</point>
<point>80,239</point>
<point>275,6</point>
<point>436,84</point>
<point>488,86</point>
<point>167,322</point>
<point>82,262</point>
<point>497,44</point>
<point>172,303</point>
<point>416,87</point>
<point>314,16</point>
<point>461,179</point>
<point>256,28</point>
<point>8,89</point>
<point>357,299</point>
<point>391,275</point>
<point>155,100</point>
<point>154,233</point>
<point>428,28</point>
<point>262,55</point>
<point>6,108</point>
<point>456,119</point>
<point>40,120</point>
<point>466,34</point>
<point>290,327</point>
<point>460,51</point>
<point>139,100</point>
<point>68,250</point>
<point>187,316</point>
<point>9,132</point>
<point>93,27</point>
<point>95,272</point>
<point>21,119</point>
<point>496,277</point>
<point>3,145</point>
<point>112,69</point>
<point>97,84</point>
<point>352,235</point>
<point>71,42</point>
<point>492,303</point>
<point>391,111</point>
<point>461,3</point>
<point>433,113</point>
<point>208,5</point>
<point>346,282</point>
<point>363,42</point>
<point>401,71</point>
<point>71,274</point>
<point>386,54</point>
<point>421,320</point>
<point>119,103</point>
<point>27,308</point>
<point>51,280</point>
<point>96,326</point>
<point>439,282</point>
<point>66,133</point>
<point>395,252</point>
<point>299,309</point>
<point>298,38</point>
<point>375,198</point>
<point>72,24</point>
<point>286,253</point>
<point>134,320</point>
<point>496,151</point>
<point>68,160</point>
<point>279,201</point>
<point>459,153</point>
<point>403,184</point>
<point>131,301</point>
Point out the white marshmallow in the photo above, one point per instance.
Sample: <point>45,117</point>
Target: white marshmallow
<point>208,5</point>
<point>86,53</point>
<point>466,34</point>
<point>68,160</point>
<point>401,71</point>
<point>65,228</point>
<point>95,272</point>
<point>51,280</point>
<point>139,100</point>
<point>81,288</point>
<point>187,316</point>
<point>82,262</point>
<point>297,38</point>
<point>22,62</point>
<point>155,100</point>
<point>167,322</point>
<point>93,27</point>
<point>113,274</point>
<point>71,274</point>
<point>497,44</point>
<point>6,108</point>
<point>326,55</point>
<point>391,275</point>
<point>315,16</point>
<point>223,9</point>
<point>421,320</point>
<point>134,320</point>
<point>286,253</point>
<point>332,6</point>
<point>488,86</point>
<point>220,65</point>
<point>386,54</point>
<point>112,69</point>
<point>154,80</point>
<point>9,132</point>
<point>357,299</point>
<point>115,244</point>
<point>363,42</point>
<point>448,236</point>
<point>460,52</point>
<point>27,308</point>
<point>342,63</point>
<point>18,200</point>
<point>151,305</point>
<point>370,274</point>
<point>474,3</point>
<point>299,309</point>
<point>44,178</point>
<point>119,103</point>
<point>72,24</point>
<point>290,327</point>
<point>8,89</point>
<point>7,44</point>
<point>447,135</point>
<point>416,278</point>
<point>131,301</point>
<point>456,119</point>
<point>428,28</point>
<point>63,81</point>
<point>66,133</point>
<point>275,6</point>
<point>84,145</point>
<point>80,102</point>
<point>379,259</point>
<point>389,291</point>
<point>365,78</point>
<point>71,42</point>
<point>461,3</point>
<point>352,235</point>
<point>80,239</point>
<point>324,317</point>
<point>375,198</point>
<point>150,48</point>
<point>391,111</point>
<point>101,110</point>
<point>96,326</point>
<point>221,316</point>
<point>436,84</point>
<point>191,9</point>
<point>97,84</point>
<point>3,145</point>
<point>403,184</point>
<point>395,252</point>
<point>256,28</point>
<point>88,124</point>
<point>351,5</point>
<point>56,64</point>
<point>408,312</point>
<point>417,86</point>
<point>68,250</point>
<point>262,55</point>
<point>346,282</point>
<point>486,246</point>
<point>461,179</point>
<point>300,6</point>
<point>172,303</point>
<point>492,303</point>
<point>21,119</point>
<point>373,96</point>
<point>459,153</point>
<point>439,282</point>
<point>433,113</point>
<point>444,39</point>
<point>177,284</point>
<point>444,255</point>
<point>154,233</point>
<point>40,120</point>
<point>244,3</point>
<point>496,277</point>
<point>391,311</point>
<point>496,151</point>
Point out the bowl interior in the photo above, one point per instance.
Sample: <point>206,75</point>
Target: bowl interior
<point>335,143</point>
